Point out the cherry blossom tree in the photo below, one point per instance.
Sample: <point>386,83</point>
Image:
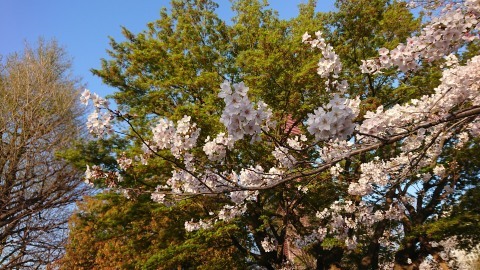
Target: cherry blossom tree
<point>397,167</point>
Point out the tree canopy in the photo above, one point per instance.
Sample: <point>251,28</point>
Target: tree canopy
<point>330,140</point>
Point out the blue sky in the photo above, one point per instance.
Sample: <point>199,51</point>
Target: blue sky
<point>82,27</point>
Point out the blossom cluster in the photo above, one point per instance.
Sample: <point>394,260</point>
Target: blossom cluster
<point>343,218</point>
<point>442,36</point>
<point>378,174</point>
<point>458,85</point>
<point>456,257</point>
<point>283,153</point>
<point>335,150</point>
<point>335,120</point>
<point>227,213</point>
<point>285,159</point>
<point>96,172</point>
<point>195,226</point>
<point>239,115</point>
<point>177,139</point>
<point>98,122</point>
<point>253,177</point>
<point>330,62</point>
<point>124,162</point>
<point>329,65</point>
<point>216,149</point>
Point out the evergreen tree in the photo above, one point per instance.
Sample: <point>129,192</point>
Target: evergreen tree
<point>174,69</point>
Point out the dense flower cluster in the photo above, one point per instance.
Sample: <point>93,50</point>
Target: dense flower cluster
<point>458,86</point>
<point>178,140</point>
<point>333,121</point>
<point>285,159</point>
<point>343,218</point>
<point>98,122</point>
<point>329,65</point>
<point>239,116</point>
<point>444,35</point>
<point>216,149</point>
<point>330,62</point>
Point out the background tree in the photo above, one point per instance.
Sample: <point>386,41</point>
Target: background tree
<point>39,117</point>
<point>111,231</point>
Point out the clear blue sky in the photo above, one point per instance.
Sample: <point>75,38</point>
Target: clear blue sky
<point>82,27</point>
